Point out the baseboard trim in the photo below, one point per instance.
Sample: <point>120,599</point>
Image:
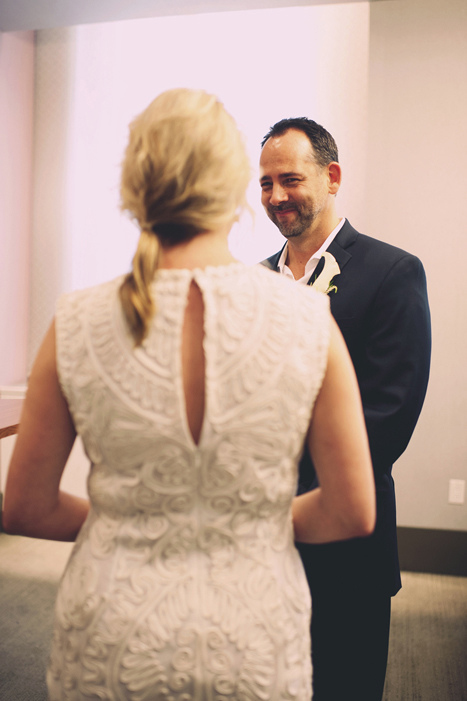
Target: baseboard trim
<point>432,551</point>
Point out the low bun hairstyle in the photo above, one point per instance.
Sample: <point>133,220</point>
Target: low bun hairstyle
<point>185,171</point>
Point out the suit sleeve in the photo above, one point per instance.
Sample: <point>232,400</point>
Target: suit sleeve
<point>394,369</point>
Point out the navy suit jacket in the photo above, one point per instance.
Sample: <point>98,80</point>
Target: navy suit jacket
<point>381,307</point>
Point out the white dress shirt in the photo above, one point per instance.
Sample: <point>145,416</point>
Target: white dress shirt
<point>313,261</point>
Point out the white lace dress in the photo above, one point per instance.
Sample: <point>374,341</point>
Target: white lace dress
<point>184,583</point>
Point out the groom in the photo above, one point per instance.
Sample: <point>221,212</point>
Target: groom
<point>379,299</point>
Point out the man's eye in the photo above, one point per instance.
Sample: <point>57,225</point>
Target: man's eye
<point>265,186</point>
<point>291,181</point>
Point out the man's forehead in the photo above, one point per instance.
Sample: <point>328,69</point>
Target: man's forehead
<point>286,153</point>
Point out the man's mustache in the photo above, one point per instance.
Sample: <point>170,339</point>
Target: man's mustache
<point>281,207</point>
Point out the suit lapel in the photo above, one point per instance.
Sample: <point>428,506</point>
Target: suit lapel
<point>273,261</point>
<point>338,248</point>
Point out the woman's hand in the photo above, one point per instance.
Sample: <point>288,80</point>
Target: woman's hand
<point>344,505</point>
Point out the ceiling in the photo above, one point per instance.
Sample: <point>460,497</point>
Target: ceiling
<point>19,15</point>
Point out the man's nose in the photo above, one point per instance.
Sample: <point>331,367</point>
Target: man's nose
<point>278,194</point>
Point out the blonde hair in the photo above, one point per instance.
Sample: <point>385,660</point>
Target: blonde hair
<point>185,171</point>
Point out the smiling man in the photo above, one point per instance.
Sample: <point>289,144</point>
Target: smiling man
<point>379,299</point>
<point>298,193</point>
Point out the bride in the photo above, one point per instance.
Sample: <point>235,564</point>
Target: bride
<point>194,382</point>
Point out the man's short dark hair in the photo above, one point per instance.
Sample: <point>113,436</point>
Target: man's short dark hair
<point>323,144</point>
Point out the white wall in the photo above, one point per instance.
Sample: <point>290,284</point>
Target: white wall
<point>92,80</point>
<point>417,184</point>
<point>16,145</point>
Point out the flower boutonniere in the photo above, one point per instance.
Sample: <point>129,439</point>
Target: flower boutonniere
<point>324,282</point>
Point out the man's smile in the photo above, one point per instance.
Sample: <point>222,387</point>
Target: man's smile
<point>284,211</point>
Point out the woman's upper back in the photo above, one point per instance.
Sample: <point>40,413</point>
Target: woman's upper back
<point>217,400</point>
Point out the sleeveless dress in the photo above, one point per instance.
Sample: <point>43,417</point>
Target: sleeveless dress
<point>184,583</point>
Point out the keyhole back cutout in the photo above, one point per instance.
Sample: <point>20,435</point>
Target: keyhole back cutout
<point>193,361</point>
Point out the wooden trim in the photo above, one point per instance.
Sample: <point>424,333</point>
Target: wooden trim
<point>10,410</point>
<point>432,551</point>
<point>9,431</point>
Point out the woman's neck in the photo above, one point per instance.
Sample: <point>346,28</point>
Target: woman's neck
<point>206,248</point>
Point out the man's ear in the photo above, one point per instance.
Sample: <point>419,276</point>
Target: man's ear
<point>335,176</point>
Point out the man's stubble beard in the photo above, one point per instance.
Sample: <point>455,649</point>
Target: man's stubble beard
<point>302,222</point>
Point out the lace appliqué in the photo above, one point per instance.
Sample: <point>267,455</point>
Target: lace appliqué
<point>184,582</point>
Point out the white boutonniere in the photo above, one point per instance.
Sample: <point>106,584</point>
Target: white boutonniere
<point>324,281</point>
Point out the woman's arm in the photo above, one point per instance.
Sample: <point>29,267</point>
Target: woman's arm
<point>343,506</point>
<point>34,504</point>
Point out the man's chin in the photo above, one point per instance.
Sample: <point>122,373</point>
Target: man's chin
<point>289,233</point>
